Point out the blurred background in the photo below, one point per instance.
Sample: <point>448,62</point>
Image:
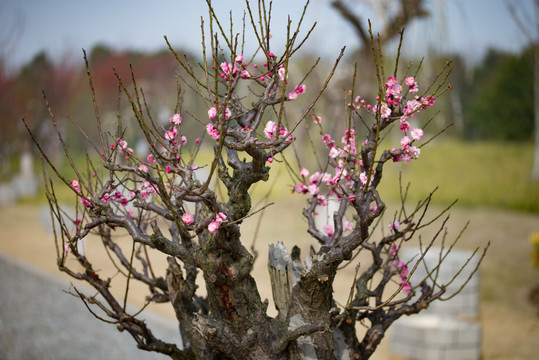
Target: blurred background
<point>487,156</point>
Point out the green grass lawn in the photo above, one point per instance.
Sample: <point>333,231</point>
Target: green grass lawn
<point>476,173</point>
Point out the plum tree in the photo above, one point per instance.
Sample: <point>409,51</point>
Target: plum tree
<point>165,202</point>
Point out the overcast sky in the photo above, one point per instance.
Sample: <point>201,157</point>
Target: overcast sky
<point>63,27</point>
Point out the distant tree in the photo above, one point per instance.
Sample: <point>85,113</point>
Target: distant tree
<point>529,25</point>
<point>392,16</point>
<point>501,106</point>
<point>396,15</point>
<point>166,205</point>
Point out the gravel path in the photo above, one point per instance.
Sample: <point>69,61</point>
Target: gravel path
<point>40,321</point>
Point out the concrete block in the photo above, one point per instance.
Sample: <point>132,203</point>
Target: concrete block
<point>466,303</point>
<point>432,337</point>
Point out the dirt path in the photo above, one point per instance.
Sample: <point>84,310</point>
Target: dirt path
<point>38,320</point>
<point>510,324</point>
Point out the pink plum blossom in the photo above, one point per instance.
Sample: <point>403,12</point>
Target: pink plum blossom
<point>405,141</point>
<point>227,113</point>
<point>404,125</point>
<point>393,87</point>
<point>212,112</point>
<point>212,131</point>
<point>403,274</point>
<point>171,134</point>
<point>394,225</point>
<point>270,129</point>
<point>326,139</point>
<point>220,217</point>
<point>75,184</point>
<point>406,288</point>
<point>304,172</point>
<point>122,143</point>
<point>385,111</point>
<point>284,133</point>
<point>228,69</point>
<point>292,95</point>
<point>313,189</point>
<point>117,195</point>
<point>187,218</point>
<point>393,250</point>
<point>427,101</point>
<point>300,89</point>
<point>333,153</point>
<point>213,226</point>
<point>85,202</point>
<point>391,81</point>
<point>412,151</point>
<point>143,167</point>
<point>176,119</point>
<point>315,178</point>
<point>281,71</point>
<point>300,189</point>
<point>410,81</point>
<point>328,229</point>
<point>349,135</point>
<point>326,177</point>
<point>411,107</point>
<point>363,178</point>
<point>416,134</point>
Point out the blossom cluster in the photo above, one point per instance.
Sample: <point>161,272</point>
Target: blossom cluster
<point>123,148</point>
<point>171,135</point>
<point>402,268</point>
<point>270,131</point>
<point>172,141</point>
<point>220,217</point>
<point>339,182</point>
<point>300,89</point>
<point>395,105</point>
<point>406,109</point>
<point>346,169</point>
<point>229,71</point>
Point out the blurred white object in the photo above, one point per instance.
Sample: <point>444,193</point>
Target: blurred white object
<point>446,330</point>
